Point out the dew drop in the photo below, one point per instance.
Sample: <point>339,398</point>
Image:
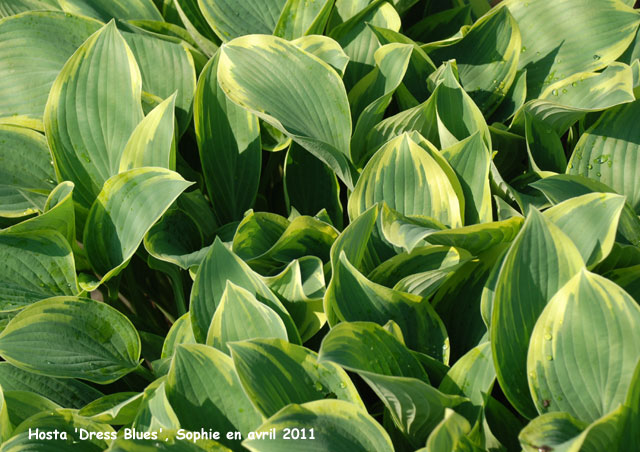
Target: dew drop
<point>570,165</point>
<point>547,337</point>
<point>564,91</point>
<point>609,163</point>
<point>554,92</point>
<point>598,174</point>
<point>574,84</point>
<point>318,386</point>
<point>343,385</point>
<point>596,57</point>
<point>549,358</point>
<point>524,49</point>
<point>590,166</point>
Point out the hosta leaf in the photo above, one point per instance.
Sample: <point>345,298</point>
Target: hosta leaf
<point>275,374</point>
<point>354,298</point>
<point>358,40</point>
<point>180,333</point>
<point>544,146</point>
<point>33,49</point>
<point>470,159</point>
<point>610,26</point>
<point>590,221</point>
<point>540,261</point>
<point>62,420</point>
<point>13,7</point>
<point>229,143</point>
<point>231,19</point>
<point>300,287</point>
<point>371,96</point>
<point>62,391</point>
<point>190,14</point>
<point>337,426</point>
<point>409,180</point>
<point>487,58</point>
<point>448,116</point>
<point>451,434</point>
<point>570,99</point>
<point>22,405</point>
<point>155,411</point>
<point>326,49</point>
<point>478,237</point>
<point>128,205</point>
<point>472,375</point>
<point>300,18</point>
<point>152,141</point>
<point>72,337</point>
<point>406,232</point>
<point>240,316</point>
<point>116,409</point>
<point>153,56</point>
<point>257,233</point>
<point>166,442</point>
<point>421,259</point>
<point>561,377</point>
<point>79,102</point>
<point>26,174</point>
<point>415,406</point>
<point>204,391</point>
<point>301,167</point>
<point>565,186</point>
<point>35,265</point>
<point>5,424</point>
<point>117,9</point>
<point>58,215</point>
<point>222,265</point>
<point>321,124</point>
<point>607,152</point>
<point>356,346</point>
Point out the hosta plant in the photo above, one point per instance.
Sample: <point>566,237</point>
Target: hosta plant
<point>324,225</point>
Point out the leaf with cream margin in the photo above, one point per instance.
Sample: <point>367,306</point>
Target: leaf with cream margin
<point>315,111</point>
<point>72,338</point>
<point>275,373</point>
<point>79,102</point>
<point>584,348</point>
<point>240,316</point>
<point>541,260</point>
<point>126,208</point>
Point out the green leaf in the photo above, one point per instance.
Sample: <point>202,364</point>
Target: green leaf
<point>358,40</point>
<point>470,160</point>
<point>275,374</point>
<point>5,424</point>
<point>230,150</point>
<point>564,102</point>
<point>155,413</point>
<point>406,232</point>
<point>555,49</point>
<point>409,180</point>
<point>117,9</point>
<point>205,392</point>
<point>337,426</point>
<point>128,205</point>
<point>14,7</point>
<point>240,316</point>
<point>37,265</point>
<point>354,298</point>
<point>322,124</point>
<point>26,173</point>
<point>301,18</point>
<point>472,375</point>
<point>22,405</point>
<point>451,434</point>
<point>371,96</point>
<point>152,141</point>
<point>180,333</point>
<point>549,431</point>
<point>308,199</point>
<point>300,287</point>
<point>540,261</point>
<point>119,408</point>
<point>231,19</point>
<point>222,265</point>
<point>478,237</point>
<point>415,406</point>
<point>590,221</point>
<point>607,152</point>
<point>62,391</point>
<point>72,338</point>
<point>59,215</point>
<point>487,58</point>
<point>49,38</point>
<point>357,347</point>
<point>560,379</point>
<point>79,101</point>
